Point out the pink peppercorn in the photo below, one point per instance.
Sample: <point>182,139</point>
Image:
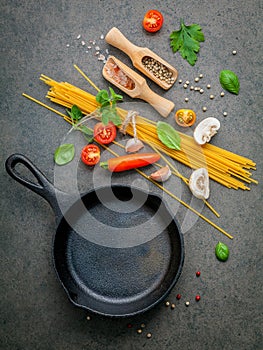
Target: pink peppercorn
<point>178,296</point>
<point>198,273</point>
<point>197,298</point>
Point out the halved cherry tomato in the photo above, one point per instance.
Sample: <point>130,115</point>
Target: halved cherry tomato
<point>90,154</point>
<point>185,117</point>
<point>153,21</point>
<point>105,133</point>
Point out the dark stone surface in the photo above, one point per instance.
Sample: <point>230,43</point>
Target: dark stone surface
<point>35,312</point>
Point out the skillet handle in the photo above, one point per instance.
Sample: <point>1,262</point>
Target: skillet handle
<point>42,187</point>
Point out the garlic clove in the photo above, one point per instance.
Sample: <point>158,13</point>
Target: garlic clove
<point>162,174</point>
<point>206,129</point>
<point>133,145</point>
<point>199,183</point>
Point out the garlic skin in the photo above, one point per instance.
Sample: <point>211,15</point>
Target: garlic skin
<point>162,174</point>
<point>199,183</point>
<point>206,129</point>
<point>133,145</point>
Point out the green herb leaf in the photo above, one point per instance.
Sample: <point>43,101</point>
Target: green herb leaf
<point>64,153</point>
<point>186,40</point>
<point>229,81</point>
<point>102,96</point>
<point>221,251</point>
<point>108,106</point>
<point>115,97</point>
<point>75,113</point>
<point>168,135</point>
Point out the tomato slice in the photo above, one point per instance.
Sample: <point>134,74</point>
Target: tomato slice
<point>153,21</point>
<point>90,154</point>
<point>185,117</point>
<point>105,133</point>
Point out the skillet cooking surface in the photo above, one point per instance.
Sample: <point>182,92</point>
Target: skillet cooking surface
<point>118,280</point>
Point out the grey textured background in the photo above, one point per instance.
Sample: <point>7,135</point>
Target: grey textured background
<point>35,312</point>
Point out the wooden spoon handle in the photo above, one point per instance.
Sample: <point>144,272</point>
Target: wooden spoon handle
<point>115,38</point>
<point>159,103</point>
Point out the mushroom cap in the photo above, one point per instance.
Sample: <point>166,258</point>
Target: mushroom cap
<point>199,183</point>
<point>206,129</point>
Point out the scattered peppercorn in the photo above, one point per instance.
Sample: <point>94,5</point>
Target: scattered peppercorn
<point>180,81</point>
<point>187,82</point>
<point>225,114</point>
<point>200,76</point>
<point>88,318</point>
<point>149,335</point>
<point>197,298</point>
<point>201,91</point>
<point>187,303</point>
<point>172,306</point>
<point>167,303</point>
<point>204,109</point>
<point>129,325</point>
<point>191,87</point>
<point>186,99</point>
<point>185,86</point>
<point>139,331</point>
<point>211,97</point>
<point>208,86</point>
<point>196,80</point>
<point>198,273</point>
<point>178,296</point>
<point>222,94</point>
<point>142,325</point>
<point>234,52</point>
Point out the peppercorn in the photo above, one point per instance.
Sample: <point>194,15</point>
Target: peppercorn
<point>197,298</point>
<point>186,99</point>
<point>178,296</point>
<point>208,86</point>
<point>139,331</point>
<point>172,306</point>
<point>225,114</point>
<point>204,109</point>
<point>198,273</point>
<point>222,94</point>
<point>167,303</point>
<point>149,335</point>
<point>187,303</point>
<point>211,97</point>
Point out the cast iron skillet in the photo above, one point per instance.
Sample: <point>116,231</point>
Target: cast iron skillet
<point>111,281</point>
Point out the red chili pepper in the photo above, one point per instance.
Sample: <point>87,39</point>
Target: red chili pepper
<point>130,161</point>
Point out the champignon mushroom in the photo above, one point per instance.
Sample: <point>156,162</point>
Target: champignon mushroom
<point>206,129</point>
<point>199,183</point>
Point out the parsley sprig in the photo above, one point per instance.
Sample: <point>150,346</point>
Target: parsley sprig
<point>187,40</point>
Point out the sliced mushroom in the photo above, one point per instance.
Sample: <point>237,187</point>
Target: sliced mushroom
<point>162,174</point>
<point>199,183</point>
<point>133,145</point>
<point>206,129</point>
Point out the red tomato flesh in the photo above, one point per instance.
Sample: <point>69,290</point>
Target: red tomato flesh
<point>90,154</point>
<point>153,21</point>
<point>105,133</point>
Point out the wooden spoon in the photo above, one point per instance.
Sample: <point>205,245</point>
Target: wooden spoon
<point>138,55</point>
<point>137,86</point>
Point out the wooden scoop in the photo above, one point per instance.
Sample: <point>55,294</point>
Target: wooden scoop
<point>134,85</point>
<point>139,55</point>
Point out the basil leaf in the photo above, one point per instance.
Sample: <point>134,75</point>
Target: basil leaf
<point>168,135</point>
<point>221,251</point>
<point>64,153</point>
<point>115,97</point>
<point>229,81</point>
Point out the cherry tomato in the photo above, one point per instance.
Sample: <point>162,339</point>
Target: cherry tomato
<point>185,117</point>
<point>153,21</point>
<point>105,133</point>
<point>90,154</point>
